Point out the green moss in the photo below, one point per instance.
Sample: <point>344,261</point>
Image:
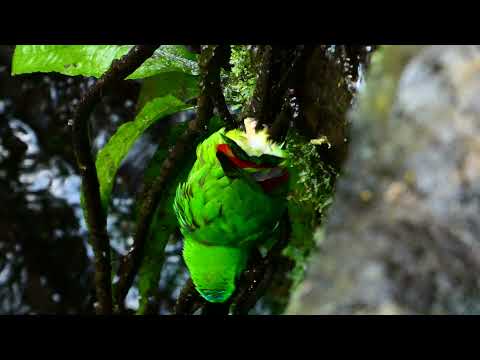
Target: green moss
<point>311,191</point>
<point>240,82</point>
<point>310,194</point>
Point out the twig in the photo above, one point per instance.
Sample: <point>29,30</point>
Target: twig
<point>189,299</point>
<point>279,128</point>
<point>272,89</point>
<point>291,80</point>
<point>213,84</point>
<point>131,262</point>
<point>216,309</point>
<point>95,216</point>
<point>258,277</point>
<point>257,105</point>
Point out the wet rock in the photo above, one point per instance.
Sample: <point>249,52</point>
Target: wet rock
<point>403,234</point>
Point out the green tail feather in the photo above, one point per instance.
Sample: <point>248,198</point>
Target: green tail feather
<point>214,269</point>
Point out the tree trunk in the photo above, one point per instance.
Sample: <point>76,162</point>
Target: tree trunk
<point>403,234</point>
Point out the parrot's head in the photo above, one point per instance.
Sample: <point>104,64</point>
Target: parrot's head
<point>214,269</point>
<point>255,142</point>
<point>253,151</point>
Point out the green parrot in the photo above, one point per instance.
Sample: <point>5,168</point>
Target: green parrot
<point>231,201</point>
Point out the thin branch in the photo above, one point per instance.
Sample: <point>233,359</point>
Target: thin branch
<point>213,85</point>
<point>189,300</point>
<point>131,262</point>
<point>277,73</point>
<point>293,74</point>
<point>280,126</point>
<point>260,273</point>
<point>257,105</point>
<point>285,91</point>
<point>95,216</point>
<point>216,309</point>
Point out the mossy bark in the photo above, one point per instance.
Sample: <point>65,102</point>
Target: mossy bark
<point>402,234</point>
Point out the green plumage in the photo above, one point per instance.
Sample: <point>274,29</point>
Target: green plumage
<point>221,218</point>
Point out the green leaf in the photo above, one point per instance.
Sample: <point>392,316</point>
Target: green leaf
<point>112,154</point>
<point>94,60</point>
<point>164,221</point>
<point>181,85</point>
<point>168,58</point>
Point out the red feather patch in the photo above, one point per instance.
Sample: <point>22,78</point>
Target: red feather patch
<point>242,164</point>
<point>270,184</point>
<point>267,184</point>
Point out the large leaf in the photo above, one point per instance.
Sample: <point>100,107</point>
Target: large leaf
<point>164,221</point>
<point>94,60</point>
<point>112,154</point>
<point>168,58</point>
<point>181,85</point>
